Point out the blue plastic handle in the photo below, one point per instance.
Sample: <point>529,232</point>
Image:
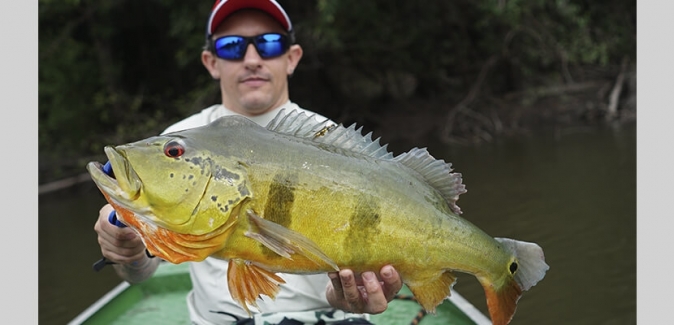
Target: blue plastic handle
<point>112,218</point>
<point>107,168</point>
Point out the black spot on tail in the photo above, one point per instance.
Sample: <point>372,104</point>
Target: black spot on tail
<point>513,267</point>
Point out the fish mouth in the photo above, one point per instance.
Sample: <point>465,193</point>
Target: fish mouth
<point>123,184</point>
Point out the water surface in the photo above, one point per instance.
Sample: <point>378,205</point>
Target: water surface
<point>573,194</point>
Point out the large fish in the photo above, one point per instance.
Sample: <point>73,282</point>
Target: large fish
<point>306,196</point>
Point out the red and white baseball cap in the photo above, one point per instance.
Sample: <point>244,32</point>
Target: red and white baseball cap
<point>223,8</point>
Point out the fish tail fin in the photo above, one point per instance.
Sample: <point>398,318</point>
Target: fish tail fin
<point>527,269</point>
<point>431,291</point>
<point>531,266</point>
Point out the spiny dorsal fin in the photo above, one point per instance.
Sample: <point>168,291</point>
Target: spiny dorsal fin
<point>302,125</point>
<point>296,123</point>
<point>436,172</point>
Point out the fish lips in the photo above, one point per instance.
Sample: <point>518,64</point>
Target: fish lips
<point>125,184</point>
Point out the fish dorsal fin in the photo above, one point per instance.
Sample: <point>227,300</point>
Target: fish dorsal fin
<point>337,137</point>
<point>436,172</point>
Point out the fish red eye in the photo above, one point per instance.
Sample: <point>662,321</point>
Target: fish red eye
<point>174,149</point>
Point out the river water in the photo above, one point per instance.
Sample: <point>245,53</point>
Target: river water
<point>573,192</point>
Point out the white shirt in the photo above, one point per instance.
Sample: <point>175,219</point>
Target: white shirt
<point>210,302</point>
<point>210,114</point>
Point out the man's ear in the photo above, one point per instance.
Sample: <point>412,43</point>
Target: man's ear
<point>294,57</point>
<point>209,61</point>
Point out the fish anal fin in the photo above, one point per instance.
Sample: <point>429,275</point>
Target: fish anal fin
<point>286,242</point>
<point>502,301</point>
<point>431,291</point>
<point>247,282</point>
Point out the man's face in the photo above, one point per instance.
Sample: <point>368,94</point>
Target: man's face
<point>253,85</point>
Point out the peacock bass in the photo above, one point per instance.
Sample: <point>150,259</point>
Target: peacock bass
<point>306,196</point>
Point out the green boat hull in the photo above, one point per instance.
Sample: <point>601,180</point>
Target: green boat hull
<point>161,300</point>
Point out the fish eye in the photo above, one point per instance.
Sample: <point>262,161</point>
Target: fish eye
<point>174,149</point>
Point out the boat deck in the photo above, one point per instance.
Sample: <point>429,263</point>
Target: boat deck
<point>161,300</point>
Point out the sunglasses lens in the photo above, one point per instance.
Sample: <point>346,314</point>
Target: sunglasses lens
<point>271,45</point>
<point>267,45</point>
<point>230,47</point>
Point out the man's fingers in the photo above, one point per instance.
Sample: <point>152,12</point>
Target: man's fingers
<point>376,300</point>
<point>363,293</point>
<point>123,259</point>
<point>120,237</point>
<point>336,284</point>
<point>352,294</point>
<point>391,282</point>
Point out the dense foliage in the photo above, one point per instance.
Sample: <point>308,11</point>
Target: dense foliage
<point>113,71</point>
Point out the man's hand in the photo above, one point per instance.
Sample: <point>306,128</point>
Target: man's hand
<point>119,245</point>
<point>366,293</point>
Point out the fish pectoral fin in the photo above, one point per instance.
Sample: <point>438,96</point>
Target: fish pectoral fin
<point>247,282</point>
<point>286,242</point>
<point>431,290</point>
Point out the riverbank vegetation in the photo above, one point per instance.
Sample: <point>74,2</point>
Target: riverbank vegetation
<point>461,72</point>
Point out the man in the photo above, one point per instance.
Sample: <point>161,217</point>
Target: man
<point>250,51</point>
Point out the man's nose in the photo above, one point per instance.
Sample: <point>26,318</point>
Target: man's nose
<point>251,57</point>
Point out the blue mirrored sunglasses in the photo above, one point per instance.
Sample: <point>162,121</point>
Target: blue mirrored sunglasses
<point>233,47</point>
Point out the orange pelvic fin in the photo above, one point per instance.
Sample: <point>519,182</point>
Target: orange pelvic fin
<point>431,291</point>
<point>247,282</point>
<point>286,242</point>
